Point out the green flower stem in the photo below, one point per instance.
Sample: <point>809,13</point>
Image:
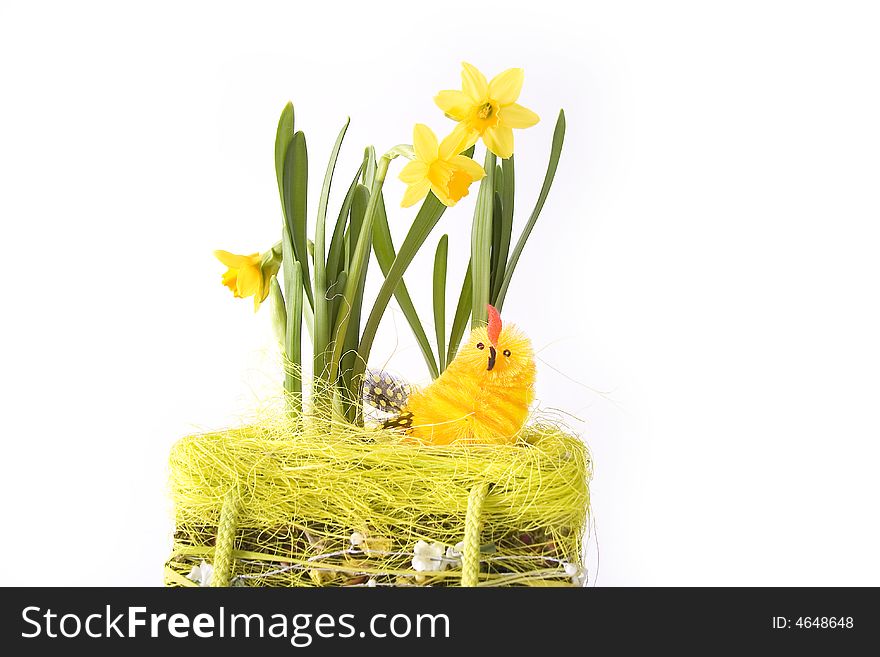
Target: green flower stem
<point>481,244</point>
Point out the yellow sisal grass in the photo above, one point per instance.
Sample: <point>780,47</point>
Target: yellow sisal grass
<point>301,489</point>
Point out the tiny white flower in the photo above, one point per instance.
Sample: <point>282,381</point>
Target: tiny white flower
<point>356,539</point>
<point>455,552</point>
<point>577,574</point>
<point>428,556</point>
<point>371,582</point>
<point>453,555</point>
<point>202,573</point>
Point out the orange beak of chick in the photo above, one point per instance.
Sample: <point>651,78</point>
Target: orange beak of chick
<point>494,330</point>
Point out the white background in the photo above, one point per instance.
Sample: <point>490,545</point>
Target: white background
<point>708,257</point>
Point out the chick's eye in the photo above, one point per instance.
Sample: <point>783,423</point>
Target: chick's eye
<point>507,352</point>
<point>480,345</point>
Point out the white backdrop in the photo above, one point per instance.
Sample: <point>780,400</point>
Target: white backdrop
<point>708,258</point>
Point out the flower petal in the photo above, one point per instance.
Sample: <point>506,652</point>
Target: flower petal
<point>424,143</point>
<point>517,116</point>
<point>461,138</point>
<point>249,281</point>
<point>236,261</point>
<point>505,87</point>
<point>455,104</point>
<point>473,83</point>
<point>415,193</point>
<point>471,168</point>
<point>413,172</point>
<point>499,140</point>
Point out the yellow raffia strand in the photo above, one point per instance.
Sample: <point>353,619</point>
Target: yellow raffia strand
<point>297,490</point>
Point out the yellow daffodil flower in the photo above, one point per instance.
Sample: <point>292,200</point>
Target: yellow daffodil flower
<point>487,109</point>
<point>249,275</point>
<point>439,168</point>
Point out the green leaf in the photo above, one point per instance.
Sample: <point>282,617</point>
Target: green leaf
<point>323,320</point>
<point>481,244</point>
<point>555,152</point>
<point>349,354</point>
<point>357,265</point>
<point>295,182</point>
<point>462,313</point>
<point>496,240</point>
<point>351,307</point>
<point>426,218</point>
<point>507,194</point>
<point>347,391</point>
<point>335,264</point>
<point>283,137</point>
<point>383,247</point>
<point>440,260</point>
<point>293,346</point>
<point>335,294</point>
<point>356,221</point>
<point>288,265</point>
<point>369,167</point>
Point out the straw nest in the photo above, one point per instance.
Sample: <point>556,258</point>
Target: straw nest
<point>312,504</point>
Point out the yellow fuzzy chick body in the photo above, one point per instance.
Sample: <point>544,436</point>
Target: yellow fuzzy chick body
<point>483,396</point>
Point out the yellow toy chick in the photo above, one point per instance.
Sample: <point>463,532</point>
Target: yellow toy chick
<point>482,397</point>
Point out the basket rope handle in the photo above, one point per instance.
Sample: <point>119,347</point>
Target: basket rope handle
<point>473,526</point>
<point>225,542</point>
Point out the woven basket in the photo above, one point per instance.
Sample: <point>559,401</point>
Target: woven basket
<point>269,508</point>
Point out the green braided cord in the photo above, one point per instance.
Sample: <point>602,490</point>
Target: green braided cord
<point>225,540</point>
<point>473,525</point>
